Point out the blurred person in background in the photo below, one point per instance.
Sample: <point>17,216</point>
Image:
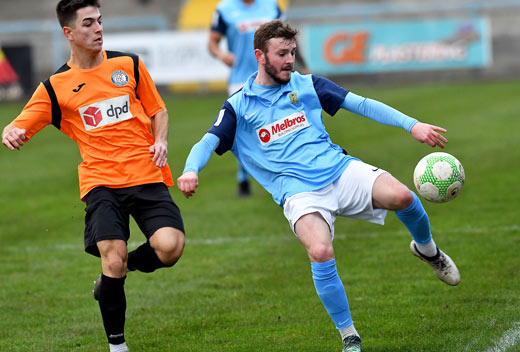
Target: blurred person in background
<point>237,21</point>
<point>108,104</point>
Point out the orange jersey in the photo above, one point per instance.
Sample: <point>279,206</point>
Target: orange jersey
<point>107,111</point>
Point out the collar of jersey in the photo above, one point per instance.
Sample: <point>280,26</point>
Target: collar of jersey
<point>88,69</point>
<point>247,88</point>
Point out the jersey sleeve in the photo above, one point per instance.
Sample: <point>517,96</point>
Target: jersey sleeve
<point>377,111</point>
<point>218,24</point>
<point>147,92</point>
<point>330,94</point>
<point>36,114</point>
<point>224,128</point>
<point>201,152</point>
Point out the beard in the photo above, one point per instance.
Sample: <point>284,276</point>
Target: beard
<point>271,71</point>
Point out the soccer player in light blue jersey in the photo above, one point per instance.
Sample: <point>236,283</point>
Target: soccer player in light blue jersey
<point>274,128</point>
<point>237,21</point>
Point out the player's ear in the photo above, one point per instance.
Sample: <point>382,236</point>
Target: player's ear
<point>260,56</point>
<point>67,32</point>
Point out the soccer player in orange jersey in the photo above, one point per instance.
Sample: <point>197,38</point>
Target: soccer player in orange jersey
<point>107,102</point>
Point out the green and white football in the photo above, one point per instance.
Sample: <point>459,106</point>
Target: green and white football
<point>439,177</point>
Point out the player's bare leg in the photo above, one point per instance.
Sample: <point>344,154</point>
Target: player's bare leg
<point>388,193</point>
<point>168,244</point>
<point>164,249</point>
<point>314,233</point>
<point>113,257</point>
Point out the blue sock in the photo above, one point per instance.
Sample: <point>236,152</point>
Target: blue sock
<point>416,221</point>
<point>331,292</point>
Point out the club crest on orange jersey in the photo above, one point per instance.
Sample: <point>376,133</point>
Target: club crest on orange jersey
<point>294,98</point>
<point>119,78</point>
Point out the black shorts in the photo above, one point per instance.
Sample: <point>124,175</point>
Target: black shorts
<point>108,213</point>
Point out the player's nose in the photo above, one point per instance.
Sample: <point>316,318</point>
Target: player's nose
<point>290,60</point>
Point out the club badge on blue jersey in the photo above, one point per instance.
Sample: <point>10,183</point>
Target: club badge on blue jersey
<point>119,78</point>
<point>294,98</point>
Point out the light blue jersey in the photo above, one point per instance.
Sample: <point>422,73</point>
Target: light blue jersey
<point>277,134</point>
<point>238,22</point>
<point>282,141</point>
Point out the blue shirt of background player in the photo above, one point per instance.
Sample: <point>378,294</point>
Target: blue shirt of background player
<point>238,22</point>
<point>300,161</point>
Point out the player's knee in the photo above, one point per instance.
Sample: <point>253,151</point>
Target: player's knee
<point>320,253</point>
<point>115,265</point>
<point>402,198</point>
<point>169,251</point>
<point>174,255</point>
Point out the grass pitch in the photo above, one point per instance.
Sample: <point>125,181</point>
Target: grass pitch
<point>244,282</point>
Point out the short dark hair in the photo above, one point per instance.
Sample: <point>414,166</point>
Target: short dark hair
<point>270,30</point>
<point>66,9</point>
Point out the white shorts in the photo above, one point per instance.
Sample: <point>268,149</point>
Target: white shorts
<point>349,196</point>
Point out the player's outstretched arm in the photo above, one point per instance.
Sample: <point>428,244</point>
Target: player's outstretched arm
<point>13,137</point>
<point>387,115</point>
<point>196,161</point>
<point>377,111</point>
<point>429,134</point>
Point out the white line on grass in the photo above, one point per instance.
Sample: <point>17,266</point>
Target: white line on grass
<point>252,239</point>
<point>509,339</point>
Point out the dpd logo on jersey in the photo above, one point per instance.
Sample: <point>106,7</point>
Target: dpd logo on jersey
<point>282,127</point>
<point>106,112</point>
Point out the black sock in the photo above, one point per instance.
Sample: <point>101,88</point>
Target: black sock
<point>144,259</point>
<point>112,303</point>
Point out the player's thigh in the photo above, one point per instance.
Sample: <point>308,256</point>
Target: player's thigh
<point>314,233</point>
<point>105,219</point>
<point>389,193</point>
<point>155,209</point>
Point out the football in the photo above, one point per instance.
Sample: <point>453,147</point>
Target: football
<point>439,177</point>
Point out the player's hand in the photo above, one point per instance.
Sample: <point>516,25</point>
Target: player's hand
<point>227,58</point>
<point>187,183</point>
<point>160,153</point>
<point>13,137</point>
<point>429,134</point>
